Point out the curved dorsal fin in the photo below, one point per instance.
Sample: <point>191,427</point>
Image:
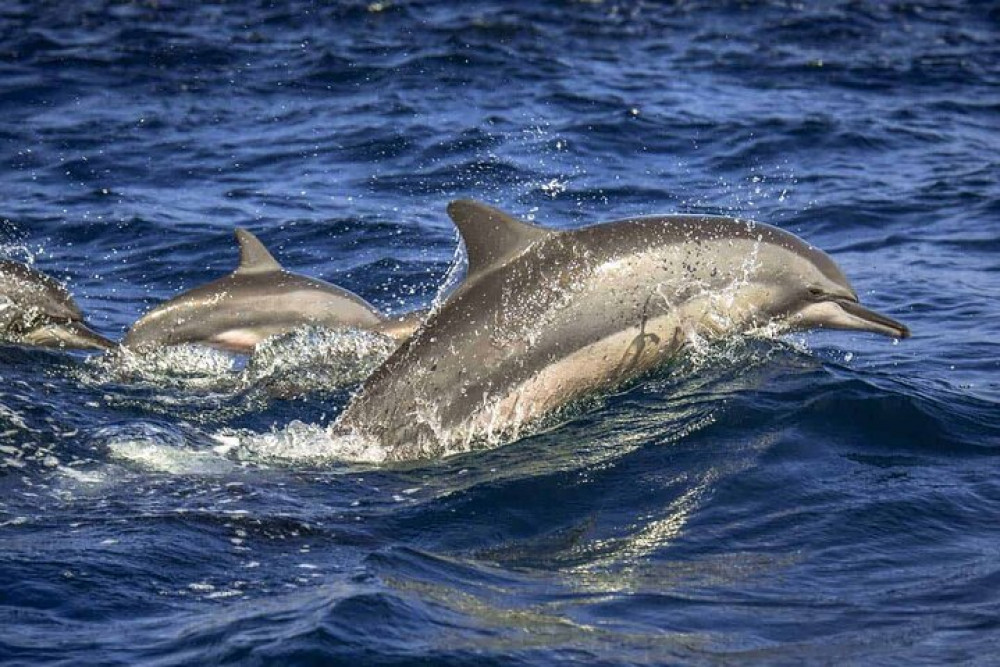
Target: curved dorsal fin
<point>490,235</point>
<point>254,257</point>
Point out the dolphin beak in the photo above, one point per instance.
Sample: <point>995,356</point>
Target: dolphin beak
<point>71,335</point>
<point>868,320</point>
<point>847,314</point>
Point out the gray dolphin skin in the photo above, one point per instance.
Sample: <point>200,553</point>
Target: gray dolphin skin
<point>545,317</point>
<point>37,310</point>
<point>258,300</point>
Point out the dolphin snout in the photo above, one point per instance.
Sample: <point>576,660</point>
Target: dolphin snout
<point>74,335</point>
<point>870,320</point>
<point>844,312</point>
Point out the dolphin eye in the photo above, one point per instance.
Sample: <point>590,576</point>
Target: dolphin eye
<point>816,291</point>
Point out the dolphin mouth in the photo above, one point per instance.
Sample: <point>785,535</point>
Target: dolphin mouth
<point>863,319</point>
<point>72,335</point>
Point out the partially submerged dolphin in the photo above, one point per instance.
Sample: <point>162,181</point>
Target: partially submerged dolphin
<point>258,300</point>
<point>545,317</point>
<point>35,309</point>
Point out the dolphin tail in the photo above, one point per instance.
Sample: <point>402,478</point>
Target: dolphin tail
<point>73,335</point>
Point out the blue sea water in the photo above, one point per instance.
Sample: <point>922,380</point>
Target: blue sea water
<point>829,498</point>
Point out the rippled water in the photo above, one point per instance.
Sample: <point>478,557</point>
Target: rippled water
<point>825,499</point>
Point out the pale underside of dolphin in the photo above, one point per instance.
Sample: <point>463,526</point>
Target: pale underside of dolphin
<point>545,317</point>
<point>37,310</point>
<point>258,300</point>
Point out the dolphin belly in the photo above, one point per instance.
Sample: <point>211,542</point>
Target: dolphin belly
<point>240,340</point>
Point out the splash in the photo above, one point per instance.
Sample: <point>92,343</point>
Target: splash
<point>19,252</point>
<point>456,273</point>
<point>306,360</point>
<point>300,444</point>
<point>24,446</point>
<point>188,367</point>
<point>313,359</point>
<point>156,448</point>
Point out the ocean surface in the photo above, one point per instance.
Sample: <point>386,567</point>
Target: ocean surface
<point>829,498</point>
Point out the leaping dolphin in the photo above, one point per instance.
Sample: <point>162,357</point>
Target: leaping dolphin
<point>258,300</point>
<point>545,317</point>
<point>35,309</point>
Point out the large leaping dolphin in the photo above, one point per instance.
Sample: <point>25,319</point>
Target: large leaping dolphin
<point>258,300</point>
<point>37,310</point>
<point>545,317</point>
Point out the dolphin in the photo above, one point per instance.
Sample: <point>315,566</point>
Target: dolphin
<point>545,317</point>
<point>35,309</point>
<point>258,300</point>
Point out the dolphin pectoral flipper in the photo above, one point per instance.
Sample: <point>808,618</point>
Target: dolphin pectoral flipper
<point>643,345</point>
<point>637,347</point>
<point>254,257</point>
<point>491,237</point>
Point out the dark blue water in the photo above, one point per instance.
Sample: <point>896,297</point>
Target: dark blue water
<point>825,499</point>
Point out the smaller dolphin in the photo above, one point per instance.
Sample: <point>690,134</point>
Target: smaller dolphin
<point>37,310</point>
<point>258,300</point>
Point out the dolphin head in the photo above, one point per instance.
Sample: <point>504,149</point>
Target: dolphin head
<point>36,309</point>
<point>819,296</point>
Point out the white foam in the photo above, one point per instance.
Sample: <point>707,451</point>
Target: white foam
<point>164,458</point>
<point>156,449</point>
<point>305,360</point>
<point>302,444</point>
<point>89,477</point>
<point>188,367</point>
<point>313,359</point>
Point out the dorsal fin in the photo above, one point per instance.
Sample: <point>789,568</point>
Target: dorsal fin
<point>254,257</point>
<point>490,235</point>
